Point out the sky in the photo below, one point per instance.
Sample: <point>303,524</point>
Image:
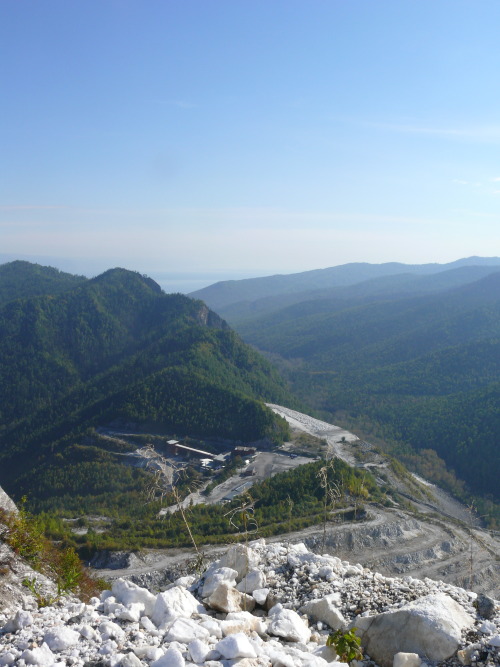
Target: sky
<point>217,139</point>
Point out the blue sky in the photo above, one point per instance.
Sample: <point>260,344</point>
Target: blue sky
<point>238,137</point>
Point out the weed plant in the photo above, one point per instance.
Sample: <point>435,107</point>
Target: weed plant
<point>347,645</point>
<point>24,534</point>
<point>164,483</point>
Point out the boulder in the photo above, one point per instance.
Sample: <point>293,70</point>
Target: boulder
<point>326,610</point>
<point>260,595</point>
<point>254,580</point>
<point>108,647</point>
<point>185,630</point>
<point>185,581</point>
<point>252,662</point>
<point>487,627</point>
<point>213,626</point>
<point>21,620</point>
<point>283,655</point>
<point>149,626</point>
<point>287,623</point>
<point>406,660</point>
<point>328,653</point>
<point>128,593</point>
<point>214,578</point>
<point>6,503</point>
<point>430,627</point>
<point>149,653</point>
<point>130,660</point>
<point>241,558</point>
<point>227,599</point>
<point>236,646</point>
<point>132,612</point>
<point>41,656</point>
<point>242,621</point>
<point>110,630</point>
<point>171,658</point>
<point>198,650</point>
<point>173,603</point>
<point>61,638</point>
<point>485,606</point>
<point>88,632</point>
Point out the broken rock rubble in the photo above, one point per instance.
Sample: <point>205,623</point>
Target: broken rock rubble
<point>260,605</point>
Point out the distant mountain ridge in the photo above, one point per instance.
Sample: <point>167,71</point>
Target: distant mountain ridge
<point>376,289</point>
<point>223,294</point>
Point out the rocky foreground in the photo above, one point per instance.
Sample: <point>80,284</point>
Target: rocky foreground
<point>260,605</point>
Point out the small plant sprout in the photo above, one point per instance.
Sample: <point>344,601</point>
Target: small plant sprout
<point>34,587</point>
<point>24,534</point>
<point>347,645</point>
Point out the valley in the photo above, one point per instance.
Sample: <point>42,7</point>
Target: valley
<point>432,535</point>
<point>406,355</point>
<point>100,375</point>
<point>115,350</point>
<point>250,334</point>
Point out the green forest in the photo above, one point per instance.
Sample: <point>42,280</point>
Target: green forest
<point>421,372</point>
<point>116,349</point>
<point>417,373</point>
<point>311,494</point>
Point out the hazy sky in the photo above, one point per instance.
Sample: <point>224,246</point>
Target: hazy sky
<point>239,137</point>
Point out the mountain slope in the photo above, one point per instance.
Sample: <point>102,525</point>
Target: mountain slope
<point>118,348</point>
<point>425,368</point>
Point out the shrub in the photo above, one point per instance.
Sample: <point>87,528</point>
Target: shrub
<point>24,534</point>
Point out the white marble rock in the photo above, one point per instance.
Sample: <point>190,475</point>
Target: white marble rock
<point>173,603</point>
<point>287,624</point>
<point>236,646</point>
<point>129,593</point>
<point>225,598</point>
<point>430,626</point>
<point>117,629</point>
<point>61,638</point>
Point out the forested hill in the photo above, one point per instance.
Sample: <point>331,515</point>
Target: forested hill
<point>426,369</point>
<point>21,279</point>
<point>388,330</point>
<point>117,348</point>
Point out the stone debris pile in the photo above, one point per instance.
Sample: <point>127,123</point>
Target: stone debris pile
<point>261,605</point>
